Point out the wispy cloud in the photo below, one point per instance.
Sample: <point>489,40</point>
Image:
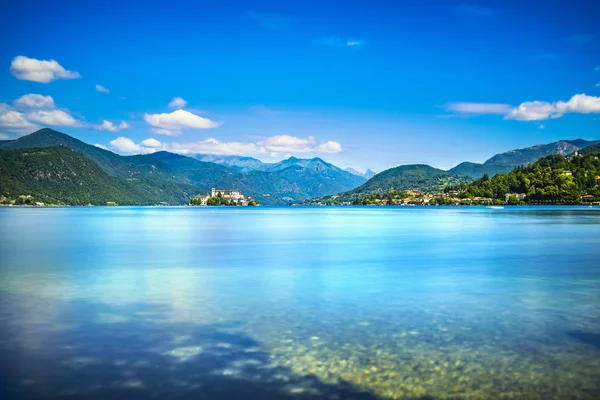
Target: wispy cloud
<point>478,108</point>
<point>177,103</point>
<point>102,89</point>
<point>531,110</point>
<point>271,21</point>
<point>111,127</point>
<point>32,100</point>
<point>42,71</point>
<point>271,146</point>
<point>336,41</point>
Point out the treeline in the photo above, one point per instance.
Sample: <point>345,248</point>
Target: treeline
<point>553,179</point>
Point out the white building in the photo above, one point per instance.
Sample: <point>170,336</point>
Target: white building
<point>233,196</point>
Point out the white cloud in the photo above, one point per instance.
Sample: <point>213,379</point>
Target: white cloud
<point>14,122</point>
<point>102,89</point>
<point>479,108</point>
<point>35,101</point>
<point>271,146</point>
<point>43,71</point>
<point>173,123</point>
<point>109,126</point>
<point>540,110</point>
<point>52,118</point>
<point>177,103</point>
<point>125,145</point>
<point>336,41</point>
<point>329,147</point>
<point>101,146</point>
<point>292,144</point>
<point>32,112</point>
<point>166,132</point>
<point>541,126</point>
<point>151,142</point>
<point>532,110</point>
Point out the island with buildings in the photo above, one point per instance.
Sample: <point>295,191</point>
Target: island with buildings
<point>220,197</point>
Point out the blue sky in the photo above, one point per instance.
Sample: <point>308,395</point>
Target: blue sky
<point>367,84</point>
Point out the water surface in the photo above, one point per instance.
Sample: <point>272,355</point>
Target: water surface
<point>308,303</point>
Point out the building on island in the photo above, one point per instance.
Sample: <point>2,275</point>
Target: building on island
<point>224,197</point>
<point>227,194</point>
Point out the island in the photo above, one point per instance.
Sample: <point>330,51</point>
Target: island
<point>220,197</point>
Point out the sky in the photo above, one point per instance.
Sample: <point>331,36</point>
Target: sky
<point>362,84</point>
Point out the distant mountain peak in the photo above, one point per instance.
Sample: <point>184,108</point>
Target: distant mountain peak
<point>368,174</point>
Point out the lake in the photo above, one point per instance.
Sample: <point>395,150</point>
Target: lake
<point>300,303</point>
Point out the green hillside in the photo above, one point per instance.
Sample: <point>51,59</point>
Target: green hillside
<point>58,175</point>
<point>505,162</point>
<point>474,170</point>
<point>173,178</point>
<point>419,177</point>
<point>554,179</point>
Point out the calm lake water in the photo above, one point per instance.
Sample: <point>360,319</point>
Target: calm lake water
<point>300,303</point>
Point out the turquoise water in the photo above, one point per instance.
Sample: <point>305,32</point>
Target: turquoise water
<point>307,303</point>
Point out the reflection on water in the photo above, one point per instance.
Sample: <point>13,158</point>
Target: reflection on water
<point>361,303</point>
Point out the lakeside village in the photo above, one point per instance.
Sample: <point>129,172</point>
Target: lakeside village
<point>412,197</point>
<point>219,197</point>
<point>449,196</point>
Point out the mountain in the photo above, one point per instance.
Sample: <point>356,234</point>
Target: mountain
<point>367,175</point>
<point>311,177</point>
<point>147,176</point>
<point>113,164</point>
<point>474,170</point>
<point>59,175</point>
<point>266,187</point>
<point>595,148</point>
<point>173,178</point>
<point>554,179</point>
<point>505,162</point>
<point>416,177</point>
<point>239,163</point>
<point>315,176</point>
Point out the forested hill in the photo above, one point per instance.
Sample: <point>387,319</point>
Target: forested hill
<point>554,179</point>
<point>167,176</point>
<point>58,175</point>
<point>416,177</point>
<point>505,162</point>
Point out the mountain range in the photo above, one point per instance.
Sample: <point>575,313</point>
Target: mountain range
<point>165,177</point>
<point>505,162</point>
<point>416,177</point>
<point>174,179</point>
